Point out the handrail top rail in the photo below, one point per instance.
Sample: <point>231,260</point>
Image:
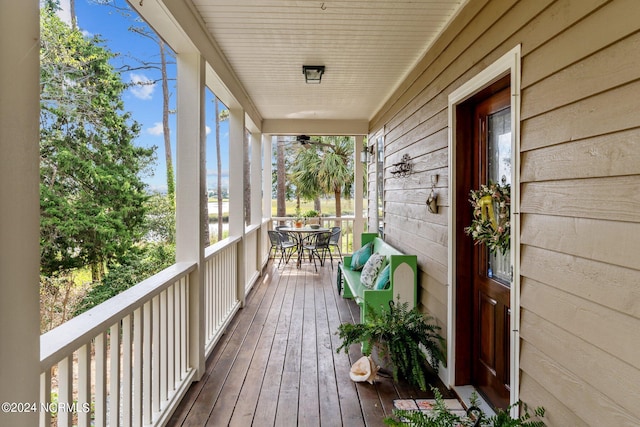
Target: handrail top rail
<point>220,246</point>
<point>252,228</point>
<point>63,340</point>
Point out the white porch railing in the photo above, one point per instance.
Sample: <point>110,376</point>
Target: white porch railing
<point>126,362</point>
<point>220,278</point>
<point>344,222</point>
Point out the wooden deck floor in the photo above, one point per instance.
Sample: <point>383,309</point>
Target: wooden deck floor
<point>277,364</point>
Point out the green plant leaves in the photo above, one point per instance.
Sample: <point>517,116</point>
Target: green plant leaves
<point>401,335</point>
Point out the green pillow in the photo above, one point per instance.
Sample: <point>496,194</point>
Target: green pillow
<point>384,278</point>
<point>360,257</point>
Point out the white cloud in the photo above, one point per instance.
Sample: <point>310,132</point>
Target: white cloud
<point>207,129</point>
<point>156,129</point>
<point>143,88</point>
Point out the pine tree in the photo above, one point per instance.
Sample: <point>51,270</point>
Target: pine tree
<point>92,194</point>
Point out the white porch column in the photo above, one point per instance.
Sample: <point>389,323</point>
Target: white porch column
<point>19,208</point>
<point>263,251</point>
<point>256,179</point>
<point>256,196</point>
<point>190,184</point>
<point>358,222</point>
<point>236,191</point>
<point>267,170</point>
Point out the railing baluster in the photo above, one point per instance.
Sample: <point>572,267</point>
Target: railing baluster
<point>171,331</point>
<point>138,321</point>
<point>178,331</point>
<point>163,346</point>
<point>221,290</point>
<point>184,322</point>
<point>231,292</point>
<point>211,301</point>
<point>233,279</point>
<point>127,380</point>
<point>223,265</point>
<point>114,374</point>
<point>45,397</point>
<point>211,296</point>
<point>84,385</point>
<point>207,296</point>
<point>65,391</point>
<point>100,351</point>
<point>146,364</point>
<point>155,356</point>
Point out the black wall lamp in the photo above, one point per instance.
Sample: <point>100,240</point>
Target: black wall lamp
<point>366,154</point>
<point>313,73</point>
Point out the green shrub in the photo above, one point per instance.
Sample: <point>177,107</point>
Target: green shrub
<point>139,265</point>
<point>441,416</point>
<point>310,214</point>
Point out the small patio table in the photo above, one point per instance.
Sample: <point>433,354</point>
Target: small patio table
<point>299,234</point>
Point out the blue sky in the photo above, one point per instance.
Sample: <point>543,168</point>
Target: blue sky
<point>145,102</point>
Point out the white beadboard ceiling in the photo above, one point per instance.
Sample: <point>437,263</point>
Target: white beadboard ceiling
<point>367,48</point>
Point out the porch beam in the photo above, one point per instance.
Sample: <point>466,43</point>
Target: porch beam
<point>190,184</point>
<point>315,127</point>
<point>19,208</point>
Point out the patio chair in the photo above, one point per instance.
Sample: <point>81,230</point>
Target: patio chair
<point>316,244</point>
<point>286,248</point>
<point>335,239</point>
<point>286,237</point>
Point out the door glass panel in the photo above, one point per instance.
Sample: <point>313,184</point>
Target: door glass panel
<point>499,169</point>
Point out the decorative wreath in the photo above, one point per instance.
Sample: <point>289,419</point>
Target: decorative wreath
<point>485,227</point>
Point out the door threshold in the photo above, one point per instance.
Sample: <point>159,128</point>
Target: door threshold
<point>464,393</point>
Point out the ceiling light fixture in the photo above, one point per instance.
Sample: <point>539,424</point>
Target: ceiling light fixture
<point>313,73</point>
<point>303,139</point>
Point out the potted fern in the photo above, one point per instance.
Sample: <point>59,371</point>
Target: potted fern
<point>399,335</point>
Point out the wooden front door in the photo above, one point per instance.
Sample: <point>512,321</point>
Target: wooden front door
<point>483,279</point>
<point>492,272</point>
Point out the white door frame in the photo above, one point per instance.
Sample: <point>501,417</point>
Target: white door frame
<point>508,64</point>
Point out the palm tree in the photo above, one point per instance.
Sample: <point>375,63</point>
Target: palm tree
<point>325,166</point>
<point>304,173</point>
<point>336,171</point>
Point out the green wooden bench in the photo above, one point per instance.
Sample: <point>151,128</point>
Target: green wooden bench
<point>403,279</point>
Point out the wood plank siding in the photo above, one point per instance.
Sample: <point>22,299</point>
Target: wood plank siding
<point>580,191</point>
